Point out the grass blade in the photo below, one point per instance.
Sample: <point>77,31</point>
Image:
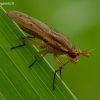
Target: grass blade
<point>17,81</point>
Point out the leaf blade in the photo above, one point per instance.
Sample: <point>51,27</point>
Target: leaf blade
<point>25,83</point>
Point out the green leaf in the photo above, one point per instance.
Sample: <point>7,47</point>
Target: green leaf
<point>17,81</point>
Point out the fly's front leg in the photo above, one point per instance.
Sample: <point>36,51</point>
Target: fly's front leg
<point>37,54</point>
<point>59,62</point>
<point>60,73</point>
<point>58,70</point>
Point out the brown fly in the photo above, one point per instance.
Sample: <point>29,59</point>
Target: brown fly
<point>52,41</point>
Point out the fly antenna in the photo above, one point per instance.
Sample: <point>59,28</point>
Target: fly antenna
<point>92,49</point>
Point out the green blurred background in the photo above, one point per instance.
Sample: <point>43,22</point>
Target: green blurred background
<point>79,20</point>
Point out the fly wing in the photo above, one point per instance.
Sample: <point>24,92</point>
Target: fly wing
<point>40,30</point>
<point>62,41</point>
<point>56,40</point>
<point>28,23</point>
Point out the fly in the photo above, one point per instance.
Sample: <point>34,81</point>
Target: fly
<point>52,41</point>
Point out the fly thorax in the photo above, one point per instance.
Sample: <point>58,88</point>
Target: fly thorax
<point>48,47</point>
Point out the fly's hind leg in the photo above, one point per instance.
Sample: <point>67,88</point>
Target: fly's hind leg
<point>35,44</point>
<point>29,40</point>
<point>58,70</point>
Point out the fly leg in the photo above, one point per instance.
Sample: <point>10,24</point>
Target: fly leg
<point>28,39</point>
<point>60,73</point>
<point>35,44</point>
<point>58,70</point>
<point>59,62</point>
<point>37,54</point>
